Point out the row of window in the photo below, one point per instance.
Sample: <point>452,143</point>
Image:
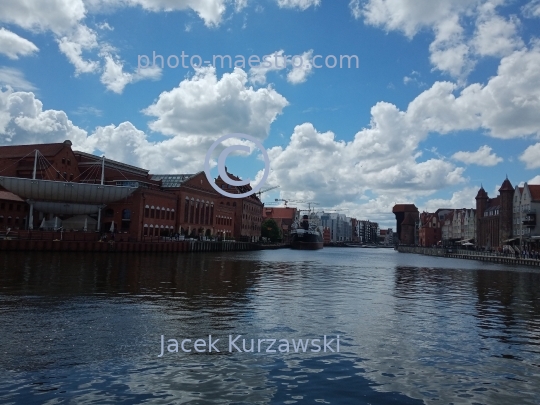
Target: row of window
<point>9,220</point>
<point>16,207</point>
<point>151,230</point>
<point>159,213</point>
<point>198,212</point>
<point>224,221</point>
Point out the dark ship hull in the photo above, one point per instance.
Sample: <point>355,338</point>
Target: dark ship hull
<point>308,241</point>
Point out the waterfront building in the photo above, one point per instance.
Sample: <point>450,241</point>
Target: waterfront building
<point>284,218</point>
<point>340,226</point>
<point>388,237</point>
<point>430,232</point>
<point>13,211</point>
<point>407,220</point>
<point>248,210</point>
<point>494,216</point>
<point>368,232</point>
<point>526,205</point>
<point>447,229</point>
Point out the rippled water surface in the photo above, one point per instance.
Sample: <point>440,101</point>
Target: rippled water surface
<point>86,328</point>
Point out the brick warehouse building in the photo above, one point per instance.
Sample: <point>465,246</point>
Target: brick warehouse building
<point>160,205</point>
<point>494,216</point>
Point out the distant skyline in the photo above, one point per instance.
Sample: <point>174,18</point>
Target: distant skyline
<point>445,97</point>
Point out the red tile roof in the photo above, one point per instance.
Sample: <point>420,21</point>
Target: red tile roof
<point>9,196</point>
<point>535,192</point>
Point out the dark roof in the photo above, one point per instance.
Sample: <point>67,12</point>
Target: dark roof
<point>481,193</point>
<point>19,151</point>
<point>404,208</point>
<point>506,186</point>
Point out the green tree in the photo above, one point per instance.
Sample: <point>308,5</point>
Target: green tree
<point>270,230</point>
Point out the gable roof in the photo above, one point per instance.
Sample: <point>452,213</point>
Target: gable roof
<point>535,191</point>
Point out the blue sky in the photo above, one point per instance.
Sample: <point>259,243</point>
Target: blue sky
<point>446,95</point>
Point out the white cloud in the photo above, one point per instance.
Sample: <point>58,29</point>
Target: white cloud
<point>532,9</point>
<point>496,36</point>
<point>58,16</point>
<point>299,67</point>
<point>453,50</point>
<point>531,156</point>
<point>15,79</point>
<point>75,43</point>
<point>23,121</point>
<point>482,157</point>
<point>507,106</point>
<point>460,199</point>
<point>300,4</point>
<point>14,46</point>
<point>206,106</point>
<point>535,180</point>
<point>115,79</point>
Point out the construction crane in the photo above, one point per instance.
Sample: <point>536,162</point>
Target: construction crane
<point>288,201</point>
<point>265,190</point>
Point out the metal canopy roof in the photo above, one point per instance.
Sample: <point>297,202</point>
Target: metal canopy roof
<point>59,191</point>
<point>66,208</point>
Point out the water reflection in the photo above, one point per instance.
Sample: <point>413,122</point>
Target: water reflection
<point>413,329</point>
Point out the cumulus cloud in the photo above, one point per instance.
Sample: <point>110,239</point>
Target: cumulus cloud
<point>23,121</point>
<point>14,46</point>
<point>531,156</point>
<point>482,157</point>
<point>207,106</point>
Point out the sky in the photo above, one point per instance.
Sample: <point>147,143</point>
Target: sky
<point>378,102</point>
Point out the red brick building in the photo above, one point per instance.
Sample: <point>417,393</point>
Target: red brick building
<point>430,232</point>
<point>494,216</point>
<point>248,211</point>
<point>160,205</point>
<point>284,218</point>
<point>13,211</point>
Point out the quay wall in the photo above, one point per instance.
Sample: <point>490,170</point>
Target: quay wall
<point>470,255</point>
<point>91,246</point>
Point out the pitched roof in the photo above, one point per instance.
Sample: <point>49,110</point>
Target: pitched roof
<point>284,213</point>
<point>19,151</point>
<point>535,191</point>
<point>506,186</point>
<point>9,196</point>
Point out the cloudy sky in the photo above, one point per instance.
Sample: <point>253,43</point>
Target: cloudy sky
<point>444,95</point>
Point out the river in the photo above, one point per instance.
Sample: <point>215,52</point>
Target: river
<point>87,328</point>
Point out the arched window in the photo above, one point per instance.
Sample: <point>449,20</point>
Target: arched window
<point>192,211</point>
<point>162,213</point>
<point>152,212</point>
<point>168,214</point>
<point>212,214</point>
<point>172,214</point>
<point>202,213</point>
<point>145,230</point>
<point>147,211</point>
<point>186,210</point>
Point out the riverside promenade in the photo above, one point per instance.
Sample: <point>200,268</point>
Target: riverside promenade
<point>493,257</point>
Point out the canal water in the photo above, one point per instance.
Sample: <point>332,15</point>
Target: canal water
<point>87,328</point>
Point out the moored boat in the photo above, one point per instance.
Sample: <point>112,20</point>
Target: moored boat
<point>305,235</point>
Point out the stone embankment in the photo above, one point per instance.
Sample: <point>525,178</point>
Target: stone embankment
<point>470,255</point>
